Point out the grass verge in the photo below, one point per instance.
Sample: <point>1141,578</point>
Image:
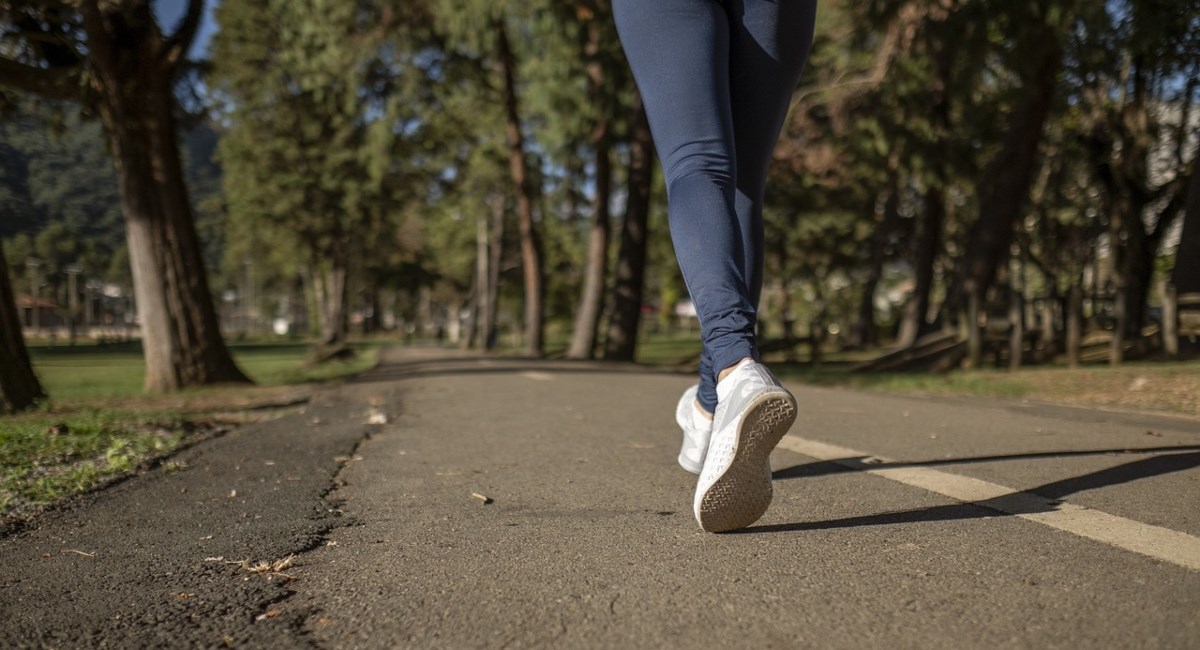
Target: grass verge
<point>1164,387</point>
<point>99,427</point>
<point>48,456</point>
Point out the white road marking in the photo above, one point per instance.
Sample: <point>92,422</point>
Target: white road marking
<point>1154,541</point>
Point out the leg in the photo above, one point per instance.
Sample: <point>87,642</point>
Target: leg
<point>679,53</point>
<point>769,43</point>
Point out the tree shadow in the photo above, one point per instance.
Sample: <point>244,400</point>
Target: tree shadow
<point>1044,498</point>
<point>863,463</point>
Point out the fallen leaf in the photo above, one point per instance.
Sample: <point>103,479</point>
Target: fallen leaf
<point>486,500</point>
<point>270,613</point>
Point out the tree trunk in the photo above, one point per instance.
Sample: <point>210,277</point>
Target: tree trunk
<point>329,287</point>
<point>591,300</point>
<point>1186,275</point>
<point>1170,320</point>
<point>1126,177</point>
<point>180,331</point>
<point>929,242</point>
<point>476,334</point>
<point>372,321</point>
<point>621,342</point>
<point>531,254</point>
<point>1016,335</point>
<point>488,326</point>
<point>1138,273</point>
<point>1074,324</point>
<point>19,386</point>
<point>1004,189</point>
<point>1049,332</point>
<point>865,332</point>
<point>974,331</point>
<point>1116,348</point>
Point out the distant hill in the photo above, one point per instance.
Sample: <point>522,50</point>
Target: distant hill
<point>62,178</point>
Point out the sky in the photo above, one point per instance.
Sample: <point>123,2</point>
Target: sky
<point>169,12</point>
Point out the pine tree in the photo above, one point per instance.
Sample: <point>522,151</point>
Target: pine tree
<point>113,59</point>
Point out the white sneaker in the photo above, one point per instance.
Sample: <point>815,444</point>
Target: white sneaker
<point>753,414</point>
<point>696,431</point>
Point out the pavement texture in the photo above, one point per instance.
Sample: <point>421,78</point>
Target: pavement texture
<point>446,501</point>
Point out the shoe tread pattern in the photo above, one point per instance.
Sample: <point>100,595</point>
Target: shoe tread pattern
<point>743,492</point>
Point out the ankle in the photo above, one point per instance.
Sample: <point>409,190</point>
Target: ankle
<point>727,371</point>
<point>704,413</point>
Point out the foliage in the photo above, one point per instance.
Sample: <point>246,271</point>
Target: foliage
<point>60,198</point>
<point>373,131</point>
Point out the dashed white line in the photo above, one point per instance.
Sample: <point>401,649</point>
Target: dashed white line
<point>1154,541</point>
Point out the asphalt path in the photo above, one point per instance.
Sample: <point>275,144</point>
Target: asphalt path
<point>447,501</point>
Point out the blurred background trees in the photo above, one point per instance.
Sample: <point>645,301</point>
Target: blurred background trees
<point>958,179</point>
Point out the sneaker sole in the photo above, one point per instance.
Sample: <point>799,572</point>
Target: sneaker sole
<point>743,492</point>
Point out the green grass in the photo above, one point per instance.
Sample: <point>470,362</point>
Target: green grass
<point>1163,386</point>
<point>1172,387</point>
<point>981,384</point>
<point>92,371</point>
<point>45,456</point>
<point>98,425</point>
<point>669,349</point>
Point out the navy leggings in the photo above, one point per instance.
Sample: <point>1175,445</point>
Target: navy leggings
<point>716,78</point>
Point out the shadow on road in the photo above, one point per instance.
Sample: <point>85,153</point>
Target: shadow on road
<point>825,467</point>
<point>1158,465</point>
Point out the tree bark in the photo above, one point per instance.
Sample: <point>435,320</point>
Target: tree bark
<point>1004,190</point>
<point>1186,274</point>
<point>329,288</point>
<point>974,331</point>
<point>621,342</point>
<point>135,100</point>
<point>495,249</point>
<point>865,331</point>
<point>929,242</point>
<point>1074,323</point>
<point>1126,177</point>
<point>475,332</point>
<point>531,254</point>
<point>19,386</point>
<point>1170,320</point>
<point>1016,335</point>
<point>591,299</point>
<point>1116,348</point>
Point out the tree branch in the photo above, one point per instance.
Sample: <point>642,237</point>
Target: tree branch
<point>176,47</point>
<point>53,83</point>
<point>896,41</point>
<point>99,42</point>
<point>1177,189</point>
